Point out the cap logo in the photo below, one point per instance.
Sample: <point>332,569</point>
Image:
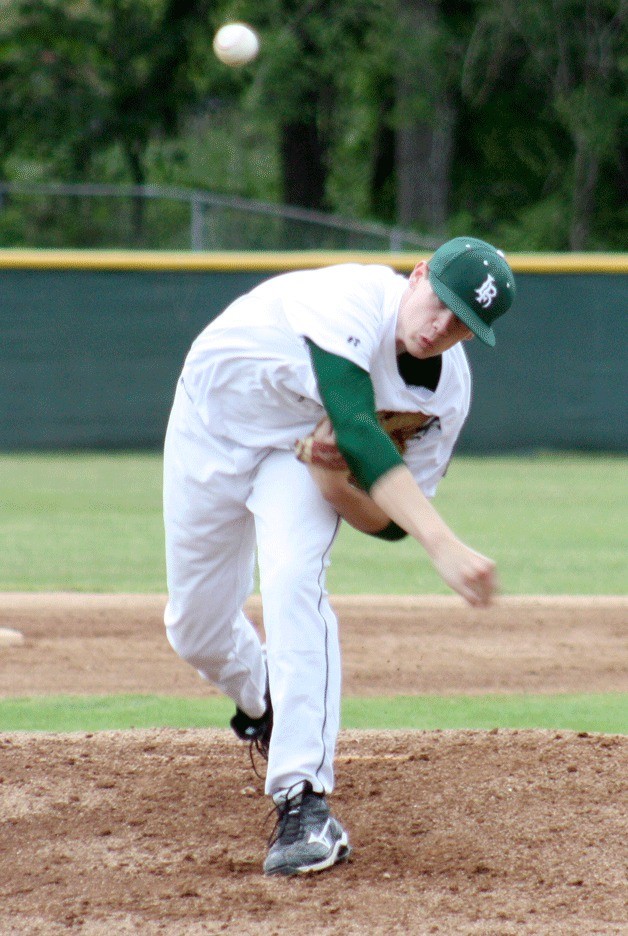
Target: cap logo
<point>486,292</point>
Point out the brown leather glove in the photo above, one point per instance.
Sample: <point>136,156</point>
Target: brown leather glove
<point>319,448</point>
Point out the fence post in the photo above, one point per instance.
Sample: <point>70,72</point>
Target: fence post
<point>396,240</point>
<point>197,224</point>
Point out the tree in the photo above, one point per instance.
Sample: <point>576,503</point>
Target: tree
<point>51,83</point>
<point>445,115</point>
<point>431,40</point>
<point>574,62</point>
<point>85,76</point>
<point>309,47</point>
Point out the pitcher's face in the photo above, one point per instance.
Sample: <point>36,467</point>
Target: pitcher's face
<point>425,326</point>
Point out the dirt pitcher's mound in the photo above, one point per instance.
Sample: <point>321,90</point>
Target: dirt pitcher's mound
<point>457,833</point>
<point>153,832</point>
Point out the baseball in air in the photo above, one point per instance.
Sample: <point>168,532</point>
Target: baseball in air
<point>236,44</point>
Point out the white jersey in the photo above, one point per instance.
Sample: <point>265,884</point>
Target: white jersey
<point>249,372</point>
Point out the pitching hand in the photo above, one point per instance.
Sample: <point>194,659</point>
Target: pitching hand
<point>468,572</point>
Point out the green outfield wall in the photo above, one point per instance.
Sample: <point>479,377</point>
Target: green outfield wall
<point>91,344</point>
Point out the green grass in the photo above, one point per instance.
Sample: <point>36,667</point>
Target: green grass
<point>81,522</point>
<point>92,522</point>
<point>606,713</point>
<point>555,524</point>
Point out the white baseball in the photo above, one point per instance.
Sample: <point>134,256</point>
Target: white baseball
<point>236,44</point>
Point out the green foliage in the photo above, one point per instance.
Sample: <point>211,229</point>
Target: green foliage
<point>239,149</point>
<point>568,62</point>
<point>521,105</point>
<point>87,76</point>
<point>543,225</point>
<point>51,81</point>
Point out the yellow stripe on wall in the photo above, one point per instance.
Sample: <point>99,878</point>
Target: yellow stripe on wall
<point>153,260</point>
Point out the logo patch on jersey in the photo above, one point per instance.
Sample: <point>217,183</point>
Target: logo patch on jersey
<point>354,341</point>
<point>433,423</point>
<point>486,292</point>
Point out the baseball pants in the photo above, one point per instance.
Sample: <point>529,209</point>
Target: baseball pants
<point>223,504</point>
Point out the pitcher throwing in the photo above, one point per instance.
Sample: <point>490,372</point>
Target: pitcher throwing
<point>304,365</point>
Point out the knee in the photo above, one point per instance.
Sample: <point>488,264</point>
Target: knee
<point>192,636</point>
<point>186,644</point>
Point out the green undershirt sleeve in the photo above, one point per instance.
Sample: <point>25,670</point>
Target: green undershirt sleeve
<point>347,394</point>
<point>390,532</point>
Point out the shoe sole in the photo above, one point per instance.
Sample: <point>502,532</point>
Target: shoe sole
<point>340,852</point>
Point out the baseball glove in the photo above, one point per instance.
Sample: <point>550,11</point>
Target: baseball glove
<point>317,450</point>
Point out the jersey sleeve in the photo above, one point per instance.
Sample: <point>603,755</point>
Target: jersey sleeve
<point>349,400</point>
<point>342,314</point>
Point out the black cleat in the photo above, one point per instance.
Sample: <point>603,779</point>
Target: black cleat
<point>255,731</point>
<point>307,838</point>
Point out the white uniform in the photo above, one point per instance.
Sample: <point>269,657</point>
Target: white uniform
<point>232,485</point>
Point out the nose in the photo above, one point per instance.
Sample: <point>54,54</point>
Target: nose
<point>443,322</point>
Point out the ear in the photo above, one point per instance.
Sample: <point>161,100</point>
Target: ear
<point>419,272</point>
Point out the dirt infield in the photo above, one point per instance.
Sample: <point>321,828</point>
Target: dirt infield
<point>487,833</point>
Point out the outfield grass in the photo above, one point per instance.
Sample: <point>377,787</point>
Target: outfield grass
<point>606,713</point>
<point>92,522</point>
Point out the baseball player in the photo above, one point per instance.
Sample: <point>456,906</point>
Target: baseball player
<point>313,358</point>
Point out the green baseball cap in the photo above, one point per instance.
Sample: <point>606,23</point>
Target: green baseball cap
<point>474,280</point>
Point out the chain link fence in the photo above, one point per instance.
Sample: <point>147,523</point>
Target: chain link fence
<point>162,218</point>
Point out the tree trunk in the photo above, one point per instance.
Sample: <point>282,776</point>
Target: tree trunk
<point>134,158</point>
<point>424,147</point>
<point>382,188</point>
<point>423,161</point>
<point>302,164</point>
<point>586,172</point>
